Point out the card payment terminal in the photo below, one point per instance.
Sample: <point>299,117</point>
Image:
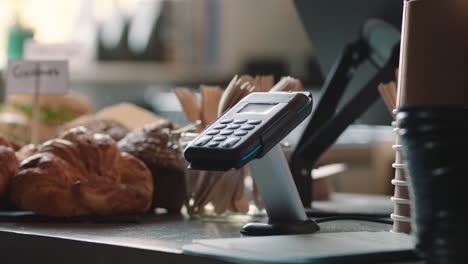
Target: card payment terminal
<point>248,130</point>
<point>249,133</point>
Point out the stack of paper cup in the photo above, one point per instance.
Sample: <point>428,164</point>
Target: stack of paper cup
<point>433,71</point>
<point>401,201</point>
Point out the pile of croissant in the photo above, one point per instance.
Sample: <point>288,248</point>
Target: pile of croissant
<point>86,173</point>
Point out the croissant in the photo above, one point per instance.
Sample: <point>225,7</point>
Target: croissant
<point>9,143</point>
<point>26,151</point>
<point>81,173</point>
<point>8,165</point>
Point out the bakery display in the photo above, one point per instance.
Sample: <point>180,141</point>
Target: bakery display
<point>122,159</point>
<point>151,144</point>
<point>81,173</point>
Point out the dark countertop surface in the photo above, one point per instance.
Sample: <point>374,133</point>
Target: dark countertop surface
<point>150,238</point>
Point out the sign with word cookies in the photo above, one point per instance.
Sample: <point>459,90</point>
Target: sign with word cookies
<point>31,76</point>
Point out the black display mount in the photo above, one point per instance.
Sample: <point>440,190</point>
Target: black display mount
<point>327,124</point>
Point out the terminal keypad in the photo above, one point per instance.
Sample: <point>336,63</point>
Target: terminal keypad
<point>227,132</point>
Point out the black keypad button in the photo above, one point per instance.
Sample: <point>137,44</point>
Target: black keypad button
<point>212,132</point>
<point>213,144</point>
<point>219,138</point>
<point>241,133</point>
<point>254,122</point>
<point>233,126</point>
<point>240,121</point>
<point>226,132</point>
<point>219,126</point>
<point>225,121</point>
<point>202,141</point>
<point>247,127</point>
<point>230,142</point>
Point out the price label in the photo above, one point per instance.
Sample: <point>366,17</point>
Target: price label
<point>45,77</point>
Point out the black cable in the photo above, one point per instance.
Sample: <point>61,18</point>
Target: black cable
<point>316,213</point>
<point>353,217</point>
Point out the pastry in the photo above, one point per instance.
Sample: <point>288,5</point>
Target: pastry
<point>55,110</point>
<point>151,145</point>
<point>81,173</point>
<point>106,126</point>
<point>26,151</point>
<point>124,114</point>
<point>15,126</point>
<point>8,165</point>
<point>9,143</point>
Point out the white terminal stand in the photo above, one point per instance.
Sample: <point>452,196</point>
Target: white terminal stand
<point>280,197</point>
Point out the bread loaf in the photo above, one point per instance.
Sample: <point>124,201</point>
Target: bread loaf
<point>81,173</point>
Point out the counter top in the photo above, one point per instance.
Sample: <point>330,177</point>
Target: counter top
<point>153,237</point>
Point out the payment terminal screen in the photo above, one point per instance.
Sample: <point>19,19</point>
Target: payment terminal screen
<point>256,108</point>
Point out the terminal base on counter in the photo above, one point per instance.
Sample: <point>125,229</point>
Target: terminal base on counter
<point>276,228</point>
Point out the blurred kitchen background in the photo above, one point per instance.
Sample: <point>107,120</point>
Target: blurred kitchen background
<point>138,50</point>
<point>135,46</point>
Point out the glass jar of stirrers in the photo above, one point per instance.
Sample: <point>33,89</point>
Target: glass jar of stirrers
<point>217,195</point>
<point>230,192</point>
